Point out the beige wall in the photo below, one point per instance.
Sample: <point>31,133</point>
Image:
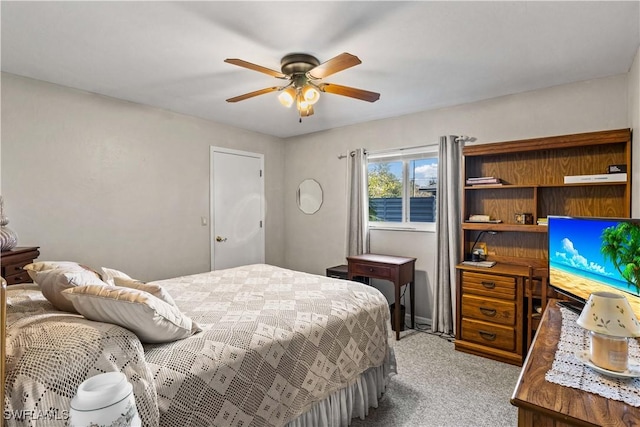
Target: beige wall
<point>111,183</point>
<point>315,242</point>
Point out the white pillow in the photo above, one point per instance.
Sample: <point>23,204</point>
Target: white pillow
<point>151,319</point>
<point>109,275</point>
<point>50,265</point>
<point>54,277</point>
<point>118,278</point>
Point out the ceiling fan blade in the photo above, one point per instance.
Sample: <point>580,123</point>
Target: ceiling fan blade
<point>352,92</point>
<point>260,68</point>
<point>341,62</point>
<point>252,94</point>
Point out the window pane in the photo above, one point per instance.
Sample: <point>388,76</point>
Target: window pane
<point>423,179</point>
<point>385,191</point>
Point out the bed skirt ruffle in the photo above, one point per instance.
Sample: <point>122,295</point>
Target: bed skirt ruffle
<point>341,406</point>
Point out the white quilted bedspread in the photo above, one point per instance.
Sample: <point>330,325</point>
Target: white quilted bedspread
<point>274,341</point>
<point>50,353</point>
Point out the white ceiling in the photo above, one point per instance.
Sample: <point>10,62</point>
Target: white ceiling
<point>418,55</point>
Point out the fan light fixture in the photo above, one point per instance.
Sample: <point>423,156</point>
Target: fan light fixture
<point>310,94</point>
<point>305,72</point>
<point>304,97</point>
<point>287,97</point>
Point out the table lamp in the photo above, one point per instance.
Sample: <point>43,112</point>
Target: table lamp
<point>610,321</point>
<point>104,400</point>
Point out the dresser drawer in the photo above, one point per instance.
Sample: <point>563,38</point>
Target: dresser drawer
<point>489,309</point>
<point>376,271</point>
<point>489,334</point>
<point>490,285</point>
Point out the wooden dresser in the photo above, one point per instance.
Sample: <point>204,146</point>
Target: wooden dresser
<point>544,404</point>
<point>12,261</point>
<point>490,307</point>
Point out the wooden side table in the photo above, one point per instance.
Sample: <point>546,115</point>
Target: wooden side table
<point>398,270</point>
<point>544,404</point>
<point>12,261</point>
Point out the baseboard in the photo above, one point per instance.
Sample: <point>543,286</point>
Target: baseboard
<point>419,320</point>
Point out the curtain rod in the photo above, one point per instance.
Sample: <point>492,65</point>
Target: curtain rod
<point>400,149</point>
<point>344,156</point>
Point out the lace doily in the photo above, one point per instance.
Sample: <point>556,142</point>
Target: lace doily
<point>567,370</point>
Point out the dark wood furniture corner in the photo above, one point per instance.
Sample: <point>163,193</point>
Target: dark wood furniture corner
<point>338,272</point>
<point>398,270</point>
<point>12,261</point>
<point>544,404</point>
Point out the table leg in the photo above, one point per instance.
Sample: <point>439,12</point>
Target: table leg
<point>396,311</point>
<point>412,294</point>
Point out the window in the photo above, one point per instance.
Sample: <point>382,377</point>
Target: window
<point>402,188</point>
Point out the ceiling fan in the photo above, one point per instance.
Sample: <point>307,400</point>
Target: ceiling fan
<point>304,73</point>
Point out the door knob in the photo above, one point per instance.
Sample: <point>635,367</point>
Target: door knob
<point>221,239</point>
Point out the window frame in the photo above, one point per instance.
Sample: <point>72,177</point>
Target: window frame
<point>406,155</point>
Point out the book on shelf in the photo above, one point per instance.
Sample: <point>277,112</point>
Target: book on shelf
<point>604,177</point>
<point>484,180</point>
<point>480,178</point>
<point>483,218</point>
<point>543,221</point>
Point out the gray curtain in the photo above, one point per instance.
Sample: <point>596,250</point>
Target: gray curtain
<point>358,215</point>
<point>447,234</point>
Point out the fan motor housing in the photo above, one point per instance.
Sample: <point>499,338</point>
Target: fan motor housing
<point>298,63</point>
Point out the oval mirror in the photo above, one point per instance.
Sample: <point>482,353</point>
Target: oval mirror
<point>309,196</point>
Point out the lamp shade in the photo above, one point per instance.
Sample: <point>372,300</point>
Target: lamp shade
<point>287,97</point>
<point>610,314</point>
<point>310,94</point>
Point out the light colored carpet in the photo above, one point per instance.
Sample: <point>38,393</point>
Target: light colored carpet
<point>437,386</point>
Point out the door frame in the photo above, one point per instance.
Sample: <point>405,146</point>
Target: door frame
<point>212,231</point>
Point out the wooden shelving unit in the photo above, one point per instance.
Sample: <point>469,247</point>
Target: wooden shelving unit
<point>532,172</point>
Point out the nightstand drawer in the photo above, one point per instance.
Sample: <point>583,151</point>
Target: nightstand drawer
<point>489,309</point>
<point>375,271</point>
<point>18,278</point>
<point>14,268</point>
<point>489,334</point>
<point>490,285</point>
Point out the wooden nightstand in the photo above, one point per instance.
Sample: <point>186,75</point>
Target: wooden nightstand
<point>338,272</point>
<point>12,261</point>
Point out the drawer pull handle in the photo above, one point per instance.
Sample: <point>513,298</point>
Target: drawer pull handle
<point>488,311</point>
<point>489,285</point>
<point>371,270</point>
<point>489,336</point>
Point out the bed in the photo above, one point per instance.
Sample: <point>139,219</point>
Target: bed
<point>270,347</point>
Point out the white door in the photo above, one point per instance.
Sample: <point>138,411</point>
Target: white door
<point>237,208</point>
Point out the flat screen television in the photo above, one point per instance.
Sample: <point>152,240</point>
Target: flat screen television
<point>588,254</point>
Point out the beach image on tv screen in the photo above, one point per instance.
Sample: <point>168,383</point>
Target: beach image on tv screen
<point>588,255</point>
